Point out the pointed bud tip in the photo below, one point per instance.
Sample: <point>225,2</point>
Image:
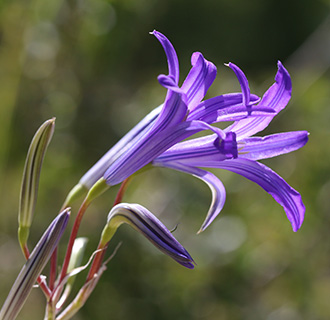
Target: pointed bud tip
<point>142,220</point>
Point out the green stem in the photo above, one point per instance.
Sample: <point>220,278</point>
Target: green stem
<point>75,193</point>
<point>50,311</point>
<point>73,236</point>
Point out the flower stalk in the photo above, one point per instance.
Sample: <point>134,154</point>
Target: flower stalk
<point>99,188</point>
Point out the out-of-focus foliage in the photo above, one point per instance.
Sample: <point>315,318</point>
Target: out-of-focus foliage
<point>93,65</point>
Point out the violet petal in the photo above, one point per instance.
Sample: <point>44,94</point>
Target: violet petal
<point>243,83</point>
<point>271,182</point>
<point>227,107</point>
<point>256,148</point>
<point>99,168</point>
<point>152,145</point>
<point>217,188</point>
<point>172,58</point>
<point>199,79</point>
<point>276,97</point>
<point>201,151</point>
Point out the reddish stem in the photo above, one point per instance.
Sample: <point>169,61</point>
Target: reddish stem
<point>122,190</point>
<point>42,284</point>
<point>73,236</point>
<point>96,262</point>
<point>26,252</point>
<point>53,267</point>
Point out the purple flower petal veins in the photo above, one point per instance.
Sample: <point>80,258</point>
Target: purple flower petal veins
<point>276,97</point>
<point>205,152</point>
<point>142,220</point>
<point>180,104</point>
<point>170,127</point>
<point>149,148</point>
<point>97,171</point>
<point>271,182</point>
<point>227,107</point>
<point>199,79</point>
<point>202,152</point>
<point>217,188</point>
<point>172,58</point>
<point>174,109</point>
<point>256,148</point>
<point>157,139</point>
<point>235,154</point>
<point>243,83</point>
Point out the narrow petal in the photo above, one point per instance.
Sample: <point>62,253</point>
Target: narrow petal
<point>172,58</point>
<point>217,188</point>
<point>227,107</point>
<point>199,79</point>
<point>271,182</point>
<point>243,83</point>
<point>279,94</point>
<point>151,146</point>
<point>136,141</point>
<point>169,83</point>
<point>142,220</point>
<point>256,148</point>
<point>201,151</point>
<point>175,106</point>
<point>276,97</point>
<point>98,170</point>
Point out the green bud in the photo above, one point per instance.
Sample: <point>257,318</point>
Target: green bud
<point>31,175</point>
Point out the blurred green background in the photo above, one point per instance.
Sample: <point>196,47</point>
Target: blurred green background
<point>93,65</point>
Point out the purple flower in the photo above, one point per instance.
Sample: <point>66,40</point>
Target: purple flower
<point>182,115</point>
<point>239,151</point>
<point>157,139</point>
